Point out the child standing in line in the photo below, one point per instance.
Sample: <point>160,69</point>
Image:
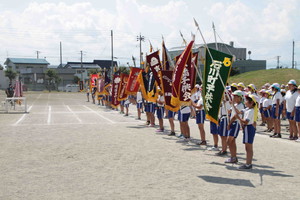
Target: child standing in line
<point>276,110</point>
<point>200,117</point>
<point>297,113</point>
<point>250,115</point>
<point>263,119</point>
<point>223,123</point>
<point>171,116</point>
<point>267,105</point>
<point>234,125</point>
<point>214,132</point>
<point>160,111</point>
<point>126,105</point>
<point>183,117</point>
<point>139,104</point>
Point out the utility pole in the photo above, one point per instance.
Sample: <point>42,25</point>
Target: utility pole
<point>278,57</point>
<point>37,54</point>
<point>112,55</point>
<point>81,66</point>
<point>140,38</point>
<point>60,50</point>
<point>293,55</point>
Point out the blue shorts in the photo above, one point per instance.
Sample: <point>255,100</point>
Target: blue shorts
<point>213,128</point>
<point>126,105</point>
<point>160,112</point>
<point>297,114</point>
<point>171,114</point>
<point>222,129</point>
<point>200,116</point>
<point>274,111</point>
<point>146,107</point>
<point>122,103</point>
<point>289,117</point>
<point>234,129</point>
<point>267,113</point>
<point>139,105</point>
<point>183,117</point>
<point>261,110</point>
<point>249,133</point>
<point>152,107</point>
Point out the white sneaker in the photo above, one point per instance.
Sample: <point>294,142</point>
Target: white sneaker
<point>213,149</point>
<point>182,137</point>
<point>298,140</point>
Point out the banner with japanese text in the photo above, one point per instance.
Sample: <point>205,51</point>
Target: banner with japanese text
<point>166,82</point>
<point>122,88</point>
<point>155,65</point>
<point>180,88</point>
<point>133,84</point>
<point>216,74</point>
<point>115,88</point>
<point>93,80</point>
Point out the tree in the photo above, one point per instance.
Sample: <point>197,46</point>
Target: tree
<point>93,71</point>
<point>51,75</point>
<point>11,74</point>
<point>76,79</point>
<point>124,70</point>
<point>1,67</point>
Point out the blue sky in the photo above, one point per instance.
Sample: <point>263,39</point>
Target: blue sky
<point>265,27</point>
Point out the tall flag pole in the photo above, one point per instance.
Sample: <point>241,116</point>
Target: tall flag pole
<point>151,47</point>
<point>214,28</point>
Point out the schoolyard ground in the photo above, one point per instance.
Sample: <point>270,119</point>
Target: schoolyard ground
<point>67,148</point>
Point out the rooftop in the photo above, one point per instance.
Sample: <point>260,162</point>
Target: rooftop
<point>27,61</point>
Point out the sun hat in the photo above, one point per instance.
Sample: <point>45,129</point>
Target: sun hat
<point>292,82</point>
<point>283,90</point>
<point>238,93</point>
<point>241,85</point>
<point>234,85</point>
<point>262,91</point>
<point>252,86</point>
<point>276,86</point>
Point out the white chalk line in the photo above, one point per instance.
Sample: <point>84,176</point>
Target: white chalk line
<point>22,117</point>
<point>76,116</point>
<point>99,114</point>
<point>49,115</point>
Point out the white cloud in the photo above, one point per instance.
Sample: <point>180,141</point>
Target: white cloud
<point>81,26</point>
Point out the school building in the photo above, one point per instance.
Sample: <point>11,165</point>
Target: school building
<point>241,63</point>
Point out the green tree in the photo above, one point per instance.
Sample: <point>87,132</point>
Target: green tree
<point>76,79</point>
<point>11,74</point>
<point>1,67</point>
<point>124,70</point>
<point>50,76</point>
<point>93,71</point>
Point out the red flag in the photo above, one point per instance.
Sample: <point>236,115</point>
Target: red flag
<point>122,88</point>
<point>155,65</point>
<point>93,80</point>
<point>115,88</point>
<point>166,80</point>
<point>181,66</point>
<point>133,84</point>
<point>186,83</point>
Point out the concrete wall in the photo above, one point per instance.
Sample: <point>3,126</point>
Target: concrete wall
<point>4,81</point>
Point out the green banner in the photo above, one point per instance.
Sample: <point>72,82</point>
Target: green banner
<point>215,71</point>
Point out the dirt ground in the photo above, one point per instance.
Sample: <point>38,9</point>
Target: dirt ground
<point>67,148</point>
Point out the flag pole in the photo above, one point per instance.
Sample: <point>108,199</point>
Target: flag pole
<point>214,28</point>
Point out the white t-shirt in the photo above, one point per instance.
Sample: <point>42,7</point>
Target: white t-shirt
<point>262,100</point>
<point>266,103</point>
<point>139,97</point>
<point>298,101</point>
<point>240,107</point>
<point>249,115</point>
<point>160,98</point>
<point>225,107</point>
<point>200,103</point>
<point>196,96</point>
<point>275,97</point>
<point>290,100</point>
<point>185,109</point>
